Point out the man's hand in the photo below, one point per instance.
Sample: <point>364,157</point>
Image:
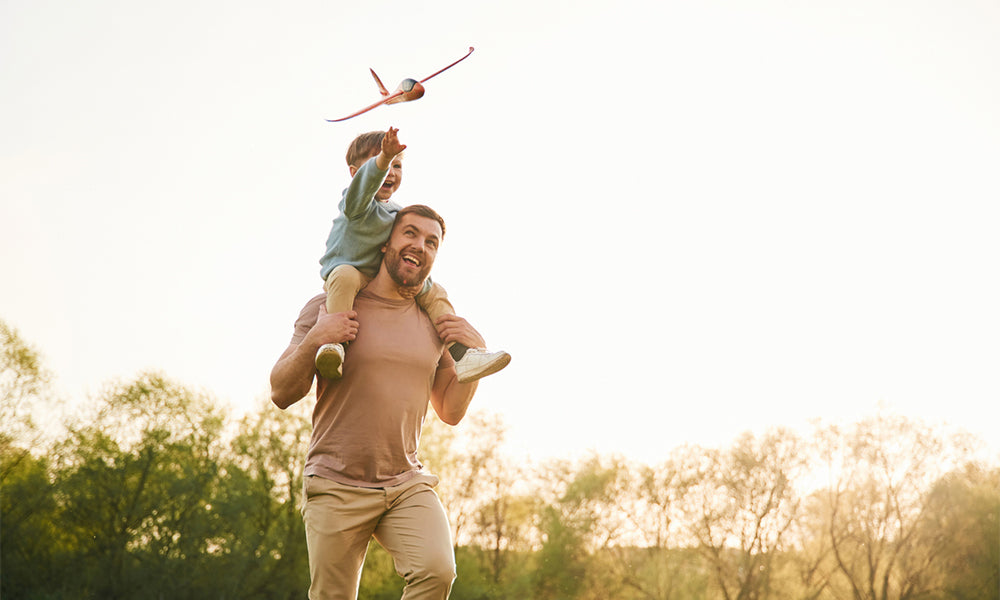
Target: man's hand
<point>452,328</point>
<point>338,327</point>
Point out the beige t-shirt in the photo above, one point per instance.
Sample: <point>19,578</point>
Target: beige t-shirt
<point>366,425</point>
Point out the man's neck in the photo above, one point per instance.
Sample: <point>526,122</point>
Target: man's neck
<point>384,286</point>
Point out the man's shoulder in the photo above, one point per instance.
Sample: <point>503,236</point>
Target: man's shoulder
<point>310,312</point>
<point>314,301</point>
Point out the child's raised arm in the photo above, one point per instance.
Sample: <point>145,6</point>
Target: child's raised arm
<point>390,148</point>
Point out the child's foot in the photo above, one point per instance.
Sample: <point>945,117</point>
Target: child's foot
<point>330,361</point>
<point>480,362</point>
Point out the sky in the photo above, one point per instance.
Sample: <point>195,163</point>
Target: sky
<point>684,220</point>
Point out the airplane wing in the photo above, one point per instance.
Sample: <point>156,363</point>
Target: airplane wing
<point>449,66</point>
<point>367,108</point>
<point>387,96</point>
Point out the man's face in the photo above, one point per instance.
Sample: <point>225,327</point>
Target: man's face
<point>411,249</point>
<point>392,180</point>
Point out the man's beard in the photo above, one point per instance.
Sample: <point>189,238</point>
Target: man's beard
<point>394,262</point>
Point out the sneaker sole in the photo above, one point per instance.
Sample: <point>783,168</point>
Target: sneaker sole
<point>328,366</point>
<point>484,370</point>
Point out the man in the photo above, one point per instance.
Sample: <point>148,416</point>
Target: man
<point>362,476</point>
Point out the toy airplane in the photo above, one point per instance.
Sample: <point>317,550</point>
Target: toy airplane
<point>409,89</point>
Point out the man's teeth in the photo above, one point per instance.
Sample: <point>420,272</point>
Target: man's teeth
<point>412,261</point>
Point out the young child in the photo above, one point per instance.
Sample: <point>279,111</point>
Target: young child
<point>353,251</point>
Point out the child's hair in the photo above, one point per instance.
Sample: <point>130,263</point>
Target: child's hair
<point>364,147</point>
<point>421,211</point>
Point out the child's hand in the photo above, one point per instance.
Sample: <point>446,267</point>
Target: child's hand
<point>390,143</point>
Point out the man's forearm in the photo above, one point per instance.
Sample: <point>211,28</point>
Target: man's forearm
<point>292,376</point>
<point>455,400</point>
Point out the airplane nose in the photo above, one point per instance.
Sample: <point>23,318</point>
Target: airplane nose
<point>412,89</point>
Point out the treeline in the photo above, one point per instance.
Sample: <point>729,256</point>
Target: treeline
<point>156,492</point>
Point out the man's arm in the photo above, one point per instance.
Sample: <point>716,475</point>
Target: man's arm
<point>450,398</point>
<point>292,376</point>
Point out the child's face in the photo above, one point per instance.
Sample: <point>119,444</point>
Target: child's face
<point>392,180</point>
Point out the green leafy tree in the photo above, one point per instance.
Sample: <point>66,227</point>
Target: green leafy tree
<point>379,580</point>
<point>136,490</point>
<point>578,519</point>
<point>35,553</point>
<point>24,382</point>
<point>260,539</point>
<point>31,543</point>
<point>963,522</point>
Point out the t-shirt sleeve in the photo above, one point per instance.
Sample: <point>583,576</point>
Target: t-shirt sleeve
<point>446,360</point>
<point>307,318</point>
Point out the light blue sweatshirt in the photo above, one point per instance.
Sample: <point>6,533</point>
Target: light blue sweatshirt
<point>363,225</point>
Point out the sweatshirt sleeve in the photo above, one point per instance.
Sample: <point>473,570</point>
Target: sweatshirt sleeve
<point>361,193</point>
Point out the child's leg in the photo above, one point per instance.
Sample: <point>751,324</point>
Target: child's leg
<point>469,364</point>
<point>342,285</point>
<point>434,300</point>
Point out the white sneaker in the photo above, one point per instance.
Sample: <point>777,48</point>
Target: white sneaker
<point>330,361</point>
<point>480,362</point>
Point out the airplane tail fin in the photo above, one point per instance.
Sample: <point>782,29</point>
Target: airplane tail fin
<point>381,88</point>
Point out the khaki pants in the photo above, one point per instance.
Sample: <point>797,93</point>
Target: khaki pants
<point>344,282</point>
<point>407,520</point>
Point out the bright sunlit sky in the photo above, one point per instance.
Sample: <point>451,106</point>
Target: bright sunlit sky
<point>684,219</point>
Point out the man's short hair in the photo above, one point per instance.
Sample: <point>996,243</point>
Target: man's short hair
<point>364,147</point>
<point>421,211</point>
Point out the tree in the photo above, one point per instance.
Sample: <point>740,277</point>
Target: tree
<point>881,473</point>
<point>650,558</point>
<point>963,520</point>
<point>493,516</point>
<point>580,516</point>
<point>261,539</point>
<point>136,489</point>
<point>807,568</point>
<point>27,508</point>
<point>33,547</point>
<point>463,459</point>
<point>23,382</point>
<point>739,505</point>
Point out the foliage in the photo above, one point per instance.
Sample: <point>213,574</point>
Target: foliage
<point>963,523</point>
<point>882,470</point>
<point>23,381</point>
<point>159,493</point>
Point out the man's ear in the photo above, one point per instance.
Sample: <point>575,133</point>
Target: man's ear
<point>353,170</point>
